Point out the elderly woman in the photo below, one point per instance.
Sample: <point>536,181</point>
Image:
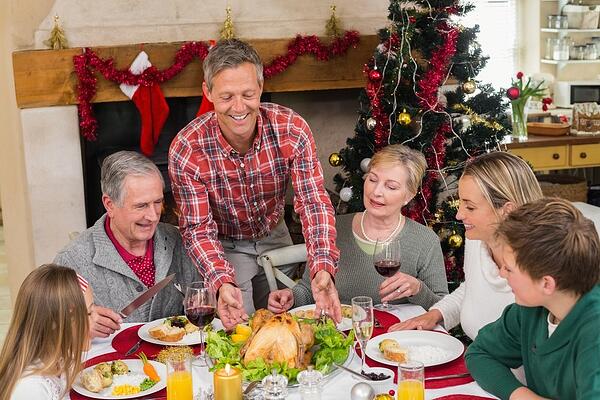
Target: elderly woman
<point>393,179</point>
<point>491,186</point>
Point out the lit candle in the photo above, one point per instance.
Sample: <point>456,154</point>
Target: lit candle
<point>228,383</point>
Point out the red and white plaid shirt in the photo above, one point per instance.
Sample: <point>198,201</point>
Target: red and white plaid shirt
<point>222,193</point>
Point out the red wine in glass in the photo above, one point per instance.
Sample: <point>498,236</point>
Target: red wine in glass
<point>386,259</point>
<point>200,305</point>
<point>387,267</point>
<point>200,316</point>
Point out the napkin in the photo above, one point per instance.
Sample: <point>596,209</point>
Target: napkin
<point>125,339</point>
<point>111,357</point>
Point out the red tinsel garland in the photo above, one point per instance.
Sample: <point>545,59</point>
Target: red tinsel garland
<point>85,64</point>
<point>428,98</point>
<point>380,133</point>
<point>438,69</point>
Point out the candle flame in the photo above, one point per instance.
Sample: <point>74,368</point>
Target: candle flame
<point>227,369</point>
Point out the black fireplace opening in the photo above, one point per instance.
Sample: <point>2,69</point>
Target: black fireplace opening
<point>119,126</point>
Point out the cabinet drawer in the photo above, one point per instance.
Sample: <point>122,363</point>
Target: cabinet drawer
<point>551,157</point>
<point>585,154</point>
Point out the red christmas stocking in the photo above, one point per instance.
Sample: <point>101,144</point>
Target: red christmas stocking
<point>151,104</point>
<point>205,106</point>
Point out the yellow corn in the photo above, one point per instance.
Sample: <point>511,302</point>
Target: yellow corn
<point>122,390</point>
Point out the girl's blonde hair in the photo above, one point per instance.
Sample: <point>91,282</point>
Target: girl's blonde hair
<point>48,331</point>
<point>503,177</point>
<point>412,160</point>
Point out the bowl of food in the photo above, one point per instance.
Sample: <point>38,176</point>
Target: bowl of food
<point>382,379</point>
<point>280,342</point>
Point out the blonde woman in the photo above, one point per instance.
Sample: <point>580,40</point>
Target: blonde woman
<point>393,179</point>
<point>48,332</point>
<point>491,186</point>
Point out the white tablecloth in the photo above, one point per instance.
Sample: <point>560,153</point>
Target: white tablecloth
<point>337,388</point>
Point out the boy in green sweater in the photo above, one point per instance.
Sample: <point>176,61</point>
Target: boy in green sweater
<point>552,263</point>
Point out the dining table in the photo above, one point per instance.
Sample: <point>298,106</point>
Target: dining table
<point>336,387</point>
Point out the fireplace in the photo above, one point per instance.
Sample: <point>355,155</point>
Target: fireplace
<point>119,129</point>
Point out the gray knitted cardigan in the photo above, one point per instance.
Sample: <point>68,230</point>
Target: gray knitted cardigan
<point>94,256</point>
<point>421,256</point>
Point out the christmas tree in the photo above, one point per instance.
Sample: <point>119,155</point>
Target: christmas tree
<point>422,92</point>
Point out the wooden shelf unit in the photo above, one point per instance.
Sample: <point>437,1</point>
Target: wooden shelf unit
<point>558,152</point>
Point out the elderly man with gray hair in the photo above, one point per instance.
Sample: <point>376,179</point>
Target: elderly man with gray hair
<point>128,250</point>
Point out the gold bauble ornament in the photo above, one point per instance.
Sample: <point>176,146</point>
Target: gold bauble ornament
<point>371,122</point>
<point>404,118</point>
<point>335,160</point>
<point>469,86</point>
<point>455,240</point>
<point>454,204</point>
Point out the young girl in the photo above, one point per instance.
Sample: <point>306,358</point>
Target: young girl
<point>49,331</point>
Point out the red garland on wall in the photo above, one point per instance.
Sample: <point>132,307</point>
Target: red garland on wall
<point>86,63</point>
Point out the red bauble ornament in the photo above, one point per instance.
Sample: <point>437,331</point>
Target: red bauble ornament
<point>513,93</point>
<point>374,75</point>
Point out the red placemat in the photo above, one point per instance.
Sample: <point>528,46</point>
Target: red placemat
<point>111,357</point>
<point>462,397</point>
<point>125,339</point>
<point>386,320</point>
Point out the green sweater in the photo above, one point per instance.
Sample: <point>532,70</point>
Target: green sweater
<point>563,366</point>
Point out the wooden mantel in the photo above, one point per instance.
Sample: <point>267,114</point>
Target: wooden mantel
<point>46,77</point>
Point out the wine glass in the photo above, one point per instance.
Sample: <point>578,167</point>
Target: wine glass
<point>362,322</point>
<point>200,306</point>
<point>386,259</point>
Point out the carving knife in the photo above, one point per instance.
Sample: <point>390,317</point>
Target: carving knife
<point>144,297</point>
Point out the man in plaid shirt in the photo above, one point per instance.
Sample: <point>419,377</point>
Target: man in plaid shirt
<point>229,172</point>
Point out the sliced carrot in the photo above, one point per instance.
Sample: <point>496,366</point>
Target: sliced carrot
<point>149,368</point>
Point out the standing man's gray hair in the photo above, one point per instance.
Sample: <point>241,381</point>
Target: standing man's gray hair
<point>118,166</point>
<point>230,53</point>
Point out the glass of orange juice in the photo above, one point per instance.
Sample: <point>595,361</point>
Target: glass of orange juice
<point>179,378</point>
<point>411,381</point>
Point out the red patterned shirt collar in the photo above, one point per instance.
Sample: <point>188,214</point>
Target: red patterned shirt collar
<point>142,266</point>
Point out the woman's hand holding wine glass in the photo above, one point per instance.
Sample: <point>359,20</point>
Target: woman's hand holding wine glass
<point>200,306</point>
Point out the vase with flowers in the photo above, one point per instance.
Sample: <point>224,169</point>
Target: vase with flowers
<point>519,95</point>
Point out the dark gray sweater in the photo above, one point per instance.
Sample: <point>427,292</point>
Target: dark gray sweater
<point>421,256</point>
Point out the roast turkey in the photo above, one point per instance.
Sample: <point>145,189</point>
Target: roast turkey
<point>279,338</point>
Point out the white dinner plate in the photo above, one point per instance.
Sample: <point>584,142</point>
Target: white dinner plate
<point>189,339</point>
<point>345,325</point>
<point>421,346</point>
<point>135,366</point>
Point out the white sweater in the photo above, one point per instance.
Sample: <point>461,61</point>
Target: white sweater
<point>39,388</point>
<point>481,298</point>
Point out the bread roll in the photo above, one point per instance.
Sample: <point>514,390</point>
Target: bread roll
<point>167,333</point>
<point>392,350</point>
